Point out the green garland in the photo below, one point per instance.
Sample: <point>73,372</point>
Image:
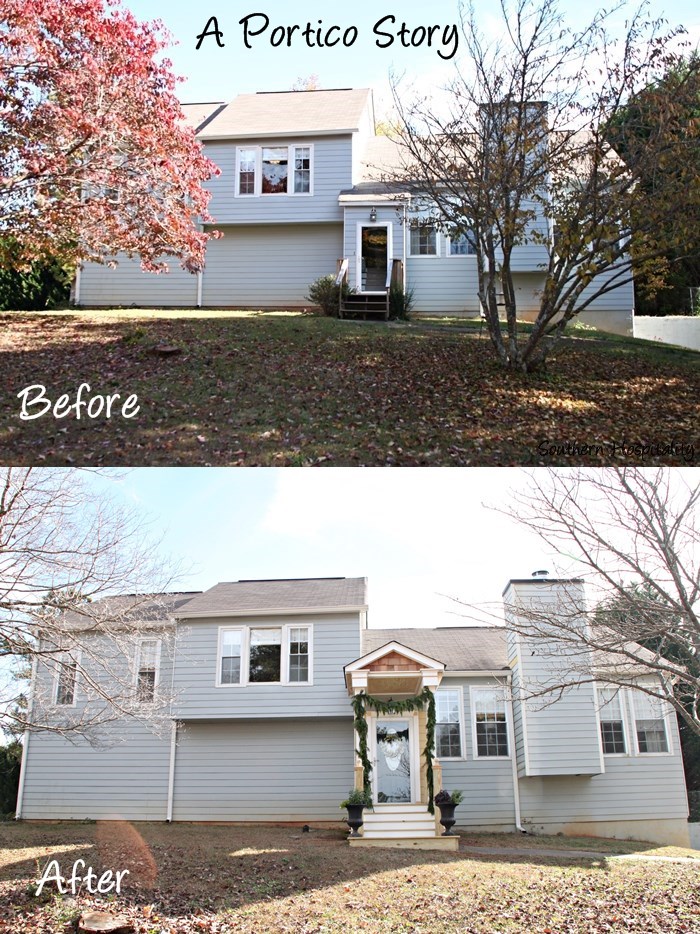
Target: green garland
<point>361,702</point>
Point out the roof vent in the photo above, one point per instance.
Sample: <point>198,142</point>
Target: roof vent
<point>540,574</point>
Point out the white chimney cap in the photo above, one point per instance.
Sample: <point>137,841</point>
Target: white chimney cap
<point>544,573</point>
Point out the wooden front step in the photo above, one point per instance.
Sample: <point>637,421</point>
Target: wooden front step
<point>370,304</point>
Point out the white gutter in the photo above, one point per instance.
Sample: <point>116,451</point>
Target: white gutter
<point>25,747</point>
<point>171,772</point>
<point>200,283</point>
<point>280,611</point>
<point>78,271</point>
<point>514,762</point>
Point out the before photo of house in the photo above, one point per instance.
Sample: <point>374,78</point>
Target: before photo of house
<point>306,191</point>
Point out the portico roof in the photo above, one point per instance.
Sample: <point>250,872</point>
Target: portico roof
<point>393,668</point>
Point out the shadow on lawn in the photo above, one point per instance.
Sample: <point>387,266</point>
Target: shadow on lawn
<point>184,868</point>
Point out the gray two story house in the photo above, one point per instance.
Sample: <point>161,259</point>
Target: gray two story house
<point>259,679</point>
<point>300,196</point>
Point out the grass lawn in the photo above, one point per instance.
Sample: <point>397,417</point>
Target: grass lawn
<point>284,389</point>
<point>215,879</point>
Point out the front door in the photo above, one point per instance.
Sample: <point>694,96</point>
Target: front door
<point>394,766</point>
<point>374,258</point>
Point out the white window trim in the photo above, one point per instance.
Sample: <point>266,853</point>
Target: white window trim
<point>77,656</point>
<point>438,237</point>
<point>623,716</point>
<point>245,655</point>
<point>462,732</point>
<point>258,192</point>
<point>664,718</point>
<point>475,689</point>
<point>137,667</point>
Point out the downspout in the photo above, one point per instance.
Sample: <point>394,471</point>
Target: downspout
<point>173,734</point>
<point>405,242</point>
<point>514,762</point>
<point>76,298</point>
<point>25,747</point>
<point>200,283</point>
<point>171,773</point>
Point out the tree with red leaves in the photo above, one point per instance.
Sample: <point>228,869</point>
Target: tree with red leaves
<point>95,156</point>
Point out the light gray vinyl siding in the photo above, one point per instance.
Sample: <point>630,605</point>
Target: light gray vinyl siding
<point>518,720</point>
<point>124,780</point>
<point>559,735</point>
<point>269,266</point>
<point>562,737</point>
<point>127,284</point>
<point>560,731</point>
<point>263,771</point>
<point>487,783</point>
<point>336,641</point>
<point>532,253</point>
<point>443,284</point>
<point>632,788</point>
<point>332,172</point>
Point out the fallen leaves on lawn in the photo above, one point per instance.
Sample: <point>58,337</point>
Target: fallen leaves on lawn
<point>286,391</point>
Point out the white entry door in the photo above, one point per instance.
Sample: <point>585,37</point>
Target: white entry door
<point>395,770</point>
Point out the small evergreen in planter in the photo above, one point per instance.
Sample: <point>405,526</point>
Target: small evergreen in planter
<point>447,802</point>
<point>356,802</point>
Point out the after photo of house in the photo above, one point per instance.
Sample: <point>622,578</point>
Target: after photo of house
<point>216,721</point>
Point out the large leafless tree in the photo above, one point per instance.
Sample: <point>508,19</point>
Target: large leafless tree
<point>518,151</point>
<point>633,536</point>
<point>80,585</point>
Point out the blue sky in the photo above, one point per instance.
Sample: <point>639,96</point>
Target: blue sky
<point>219,74</point>
<point>416,534</point>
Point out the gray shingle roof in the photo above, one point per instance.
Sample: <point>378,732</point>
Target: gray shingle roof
<point>470,648</point>
<point>245,596</point>
<point>121,612</point>
<point>198,115</point>
<point>290,113</point>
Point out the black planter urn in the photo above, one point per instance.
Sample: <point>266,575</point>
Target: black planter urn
<point>447,818</point>
<point>355,820</point>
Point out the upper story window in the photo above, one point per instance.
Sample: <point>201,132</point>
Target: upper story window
<point>490,724</point>
<point>649,724</point>
<point>265,658</point>
<point>264,655</point>
<point>448,723</point>
<point>274,170</point>
<point>147,669</point>
<point>299,654</point>
<point>66,680</point>
<point>612,731</point>
<point>423,240</point>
